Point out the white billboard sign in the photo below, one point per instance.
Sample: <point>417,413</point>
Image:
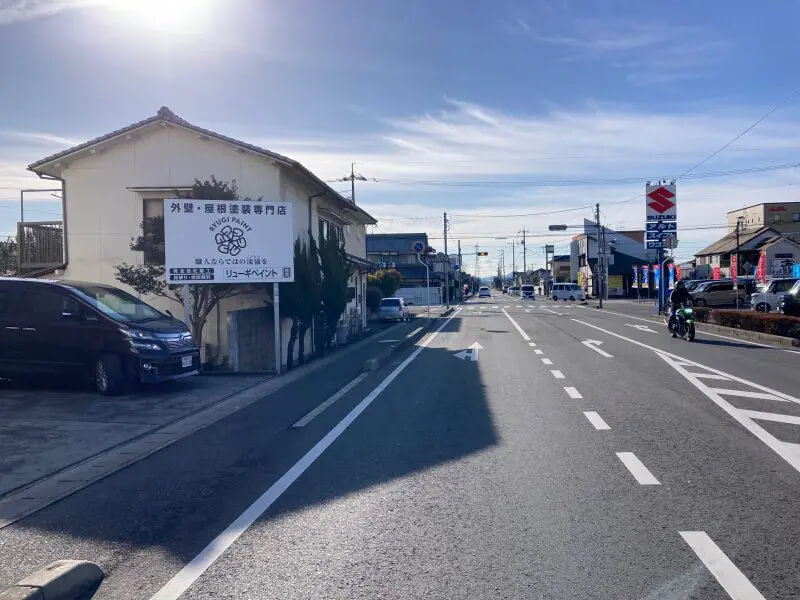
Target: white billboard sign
<point>661,202</point>
<point>228,241</point>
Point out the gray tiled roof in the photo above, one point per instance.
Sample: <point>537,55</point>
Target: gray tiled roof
<point>166,115</point>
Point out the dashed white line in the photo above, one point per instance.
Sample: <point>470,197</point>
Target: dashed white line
<point>557,374</point>
<point>641,473</point>
<point>547,361</point>
<point>573,393</point>
<point>722,568</point>
<point>307,419</point>
<point>531,344</point>
<point>537,351</point>
<point>596,420</point>
<point>524,335</point>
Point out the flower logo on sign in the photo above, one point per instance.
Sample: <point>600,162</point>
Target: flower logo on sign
<point>230,240</point>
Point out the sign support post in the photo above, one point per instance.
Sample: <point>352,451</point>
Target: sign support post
<point>276,319</point>
<point>187,310</point>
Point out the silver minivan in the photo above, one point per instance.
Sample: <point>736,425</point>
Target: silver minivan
<point>567,291</point>
<point>769,296</point>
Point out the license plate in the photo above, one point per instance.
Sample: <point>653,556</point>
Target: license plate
<point>186,361</point>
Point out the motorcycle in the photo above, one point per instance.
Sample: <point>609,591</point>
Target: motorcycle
<point>683,323</point>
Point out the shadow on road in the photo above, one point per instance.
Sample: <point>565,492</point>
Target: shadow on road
<point>179,499</point>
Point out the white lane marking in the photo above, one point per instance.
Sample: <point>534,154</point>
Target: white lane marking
<point>471,352</point>
<point>640,473</point>
<point>746,393</point>
<point>387,341</point>
<point>722,568</point>
<point>641,327</point>
<point>518,306</point>
<point>557,374</point>
<point>527,310</point>
<point>307,419</point>
<point>524,335</point>
<point>593,344</point>
<point>765,416</point>
<point>710,376</point>
<point>184,578</point>
<point>415,332</point>
<point>547,361</point>
<point>596,420</point>
<point>552,311</point>
<point>788,451</point>
<point>531,344</point>
<point>539,351</point>
<point>573,393</point>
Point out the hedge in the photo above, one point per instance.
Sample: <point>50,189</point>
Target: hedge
<point>771,323</point>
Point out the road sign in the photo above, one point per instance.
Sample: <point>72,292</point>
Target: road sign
<point>655,244</point>
<point>471,353</point>
<point>661,226</point>
<point>658,235</point>
<point>661,202</point>
<point>228,241</point>
<point>418,246</point>
<point>550,248</point>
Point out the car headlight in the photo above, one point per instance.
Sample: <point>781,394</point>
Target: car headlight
<point>141,340</point>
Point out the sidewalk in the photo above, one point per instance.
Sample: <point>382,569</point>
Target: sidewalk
<point>47,430</point>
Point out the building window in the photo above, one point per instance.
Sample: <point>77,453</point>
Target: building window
<point>327,228</point>
<point>776,218</point>
<point>796,217</point>
<point>153,231</point>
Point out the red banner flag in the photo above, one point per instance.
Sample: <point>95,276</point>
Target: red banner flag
<point>677,272</point>
<point>761,269</point>
<point>715,272</point>
<point>734,267</point>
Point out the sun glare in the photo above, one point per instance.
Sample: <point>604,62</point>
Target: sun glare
<point>166,16</point>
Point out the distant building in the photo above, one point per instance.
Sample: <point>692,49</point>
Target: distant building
<point>719,253</point>
<point>559,268</point>
<point>783,217</point>
<point>395,251</point>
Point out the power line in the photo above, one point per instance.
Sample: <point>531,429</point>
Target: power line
<point>550,212</point>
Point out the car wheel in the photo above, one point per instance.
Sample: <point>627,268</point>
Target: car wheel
<point>109,376</point>
<point>761,307</point>
<point>699,302</point>
<point>572,298</point>
<point>555,298</point>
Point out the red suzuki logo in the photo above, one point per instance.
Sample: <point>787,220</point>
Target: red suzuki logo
<point>661,200</point>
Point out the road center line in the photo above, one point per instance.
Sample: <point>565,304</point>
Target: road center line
<point>640,473</point>
<point>531,344</point>
<point>537,351</point>
<point>181,581</point>
<point>722,568</point>
<point>557,374</point>
<point>319,409</point>
<point>524,335</point>
<point>573,393</point>
<point>547,361</point>
<point>596,420</point>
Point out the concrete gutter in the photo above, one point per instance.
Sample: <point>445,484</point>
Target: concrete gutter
<point>61,580</point>
<point>749,336</point>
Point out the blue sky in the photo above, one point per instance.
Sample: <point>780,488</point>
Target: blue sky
<point>429,98</point>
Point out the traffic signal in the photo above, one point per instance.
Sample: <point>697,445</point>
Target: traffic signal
<point>483,254</point>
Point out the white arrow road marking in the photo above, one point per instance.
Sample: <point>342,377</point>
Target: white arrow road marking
<point>789,451</point>
<point>641,327</point>
<point>593,344</point>
<point>727,574</point>
<point>471,352</point>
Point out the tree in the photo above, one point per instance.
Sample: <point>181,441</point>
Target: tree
<point>300,299</point>
<point>335,270</point>
<point>149,278</point>
<point>8,257</point>
<point>373,298</point>
<point>498,283</point>
<point>386,280</point>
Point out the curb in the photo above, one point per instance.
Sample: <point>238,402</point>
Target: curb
<point>376,362</point>
<point>61,580</point>
<point>749,336</point>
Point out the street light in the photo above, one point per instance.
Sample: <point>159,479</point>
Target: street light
<point>557,227</point>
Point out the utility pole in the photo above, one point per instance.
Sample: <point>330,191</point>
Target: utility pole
<point>476,266</point>
<point>735,276</point>
<point>600,253</point>
<point>513,263</point>
<point>352,179</point>
<point>460,270</point>
<point>447,267</point>
<point>524,256</point>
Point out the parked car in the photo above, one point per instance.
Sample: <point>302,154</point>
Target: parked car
<point>393,309</point>
<point>514,290</point>
<point>718,293</point>
<point>790,303</point>
<point>693,283</point>
<point>527,291</point>
<point>768,296</point>
<point>483,292</point>
<point>567,291</point>
<point>91,330</point>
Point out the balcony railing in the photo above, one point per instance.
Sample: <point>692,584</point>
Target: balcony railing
<point>41,245</point>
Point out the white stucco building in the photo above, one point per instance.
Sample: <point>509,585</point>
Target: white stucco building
<point>111,183</point>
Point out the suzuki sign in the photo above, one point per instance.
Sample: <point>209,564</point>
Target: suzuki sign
<point>661,202</point>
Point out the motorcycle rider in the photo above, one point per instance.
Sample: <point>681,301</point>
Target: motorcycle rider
<point>680,295</point>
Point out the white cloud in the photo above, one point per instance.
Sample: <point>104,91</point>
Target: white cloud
<point>12,11</point>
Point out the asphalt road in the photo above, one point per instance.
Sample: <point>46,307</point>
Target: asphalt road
<point>524,450</point>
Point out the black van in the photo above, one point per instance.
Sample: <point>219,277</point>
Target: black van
<point>72,327</point>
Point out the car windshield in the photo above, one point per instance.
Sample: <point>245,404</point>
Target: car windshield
<point>119,305</point>
<point>390,302</point>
